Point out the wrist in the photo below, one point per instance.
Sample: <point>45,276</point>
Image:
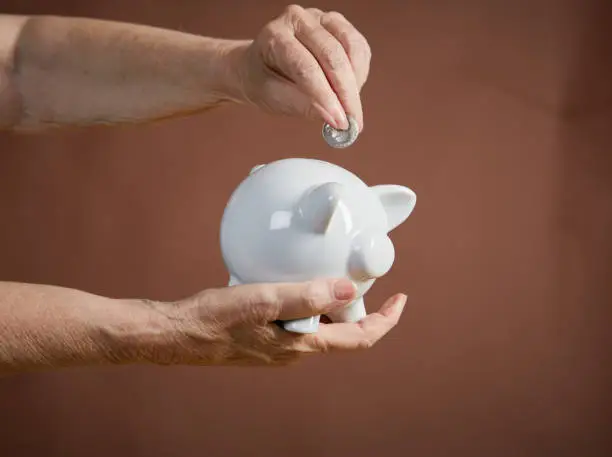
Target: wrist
<point>231,56</point>
<point>144,333</point>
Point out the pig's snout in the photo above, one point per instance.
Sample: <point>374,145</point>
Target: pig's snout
<point>372,256</point>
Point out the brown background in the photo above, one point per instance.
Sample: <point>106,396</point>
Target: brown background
<point>497,113</point>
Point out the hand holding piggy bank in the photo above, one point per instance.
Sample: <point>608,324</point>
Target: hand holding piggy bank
<point>298,219</point>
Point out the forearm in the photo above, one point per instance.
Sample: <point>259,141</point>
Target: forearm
<point>43,327</point>
<point>76,71</point>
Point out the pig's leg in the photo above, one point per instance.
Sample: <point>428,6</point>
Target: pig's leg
<point>305,325</point>
<point>354,312</point>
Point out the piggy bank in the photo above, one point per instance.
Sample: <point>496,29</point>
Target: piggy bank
<point>299,219</point>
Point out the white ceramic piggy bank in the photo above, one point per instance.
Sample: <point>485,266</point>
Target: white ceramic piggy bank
<point>299,219</point>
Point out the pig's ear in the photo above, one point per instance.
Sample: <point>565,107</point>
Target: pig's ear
<point>255,168</point>
<point>398,202</point>
<point>317,207</point>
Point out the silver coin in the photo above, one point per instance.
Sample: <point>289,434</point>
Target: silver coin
<point>341,138</point>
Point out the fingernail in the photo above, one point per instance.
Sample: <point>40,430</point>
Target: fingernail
<point>400,301</point>
<point>340,118</point>
<point>344,289</point>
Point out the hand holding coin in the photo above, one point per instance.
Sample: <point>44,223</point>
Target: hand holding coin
<point>337,138</point>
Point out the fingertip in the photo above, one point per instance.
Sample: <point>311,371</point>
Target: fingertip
<point>344,289</point>
<point>339,124</point>
<point>401,299</point>
<point>328,116</point>
<point>335,116</point>
<point>359,114</point>
<point>400,302</point>
<point>395,305</point>
<point>340,118</point>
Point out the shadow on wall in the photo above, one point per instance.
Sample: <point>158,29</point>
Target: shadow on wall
<point>588,91</point>
<point>585,219</point>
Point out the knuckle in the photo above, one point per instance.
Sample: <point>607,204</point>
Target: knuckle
<point>315,11</point>
<point>357,45</point>
<point>311,304</point>
<point>334,17</point>
<point>304,70</point>
<point>273,35</point>
<point>269,41</point>
<point>305,28</point>
<point>294,11</point>
<point>269,30</point>
<point>266,294</point>
<point>334,59</point>
<point>311,298</point>
<point>211,296</point>
<point>264,302</point>
<point>347,36</point>
<point>360,44</point>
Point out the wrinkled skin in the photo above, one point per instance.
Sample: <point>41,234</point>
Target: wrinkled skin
<point>236,325</point>
<point>307,63</point>
<point>76,72</point>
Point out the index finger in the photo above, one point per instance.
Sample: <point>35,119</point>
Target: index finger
<point>333,59</point>
<point>302,68</point>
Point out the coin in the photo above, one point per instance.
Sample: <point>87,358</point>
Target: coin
<point>337,138</point>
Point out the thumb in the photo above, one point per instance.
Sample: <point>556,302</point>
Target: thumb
<point>286,301</point>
